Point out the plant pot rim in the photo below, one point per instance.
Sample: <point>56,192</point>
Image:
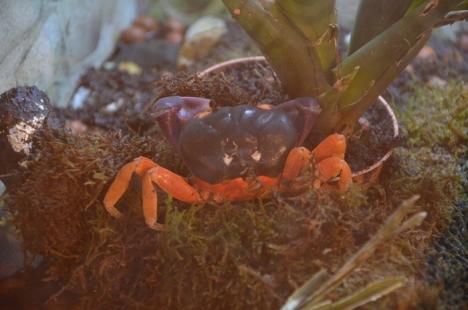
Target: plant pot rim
<point>381,100</point>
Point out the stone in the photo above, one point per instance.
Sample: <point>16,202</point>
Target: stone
<point>24,111</point>
<point>200,38</point>
<point>464,42</point>
<point>427,53</point>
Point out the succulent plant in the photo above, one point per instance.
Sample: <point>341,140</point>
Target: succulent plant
<point>299,40</point>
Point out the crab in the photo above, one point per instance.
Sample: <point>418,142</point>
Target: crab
<point>234,153</point>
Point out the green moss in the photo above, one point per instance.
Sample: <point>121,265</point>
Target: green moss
<point>438,117</point>
<point>242,255</point>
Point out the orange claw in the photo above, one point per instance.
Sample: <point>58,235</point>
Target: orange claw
<point>332,146</point>
<point>150,173</point>
<point>297,160</point>
<point>139,166</point>
<point>329,155</point>
<point>332,167</point>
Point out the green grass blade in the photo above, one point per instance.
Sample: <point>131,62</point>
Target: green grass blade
<point>300,295</point>
<point>371,293</point>
<point>388,230</point>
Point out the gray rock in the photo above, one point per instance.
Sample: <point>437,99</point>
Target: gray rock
<point>50,43</point>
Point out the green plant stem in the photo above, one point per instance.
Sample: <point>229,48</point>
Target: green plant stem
<point>296,64</point>
<point>348,120</point>
<point>381,60</point>
<point>317,21</point>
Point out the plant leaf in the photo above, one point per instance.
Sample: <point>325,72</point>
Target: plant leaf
<point>370,293</point>
<point>317,21</point>
<point>374,17</point>
<point>294,61</point>
<point>300,295</point>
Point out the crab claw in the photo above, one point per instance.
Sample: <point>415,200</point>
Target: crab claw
<point>172,113</point>
<point>304,111</point>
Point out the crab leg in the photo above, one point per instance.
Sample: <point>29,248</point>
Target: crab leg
<point>150,173</point>
<point>332,146</point>
<point>171,183</point>
<point>332,167</point>
<point>298,158</point>
<point>174,185</point>
<point>329,154</point>
<point>139,166</point>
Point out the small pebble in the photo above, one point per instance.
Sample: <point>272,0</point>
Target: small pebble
<point>436,81</point>
<point>174,37</point>
<point>79,97</point>
<point>174,30</point>
<point>464,42</point>
<point>174,25</point>
<point>146,23</point>
<point>130,68</point>
<point>200,38</point>
<point>133,34</point>
<point>114,106</point>
<point>76,127</point>
<point>427,53</point>
<point>108,65</point>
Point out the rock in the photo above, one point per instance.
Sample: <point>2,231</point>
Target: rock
<point>51,43</point>
<point>174,30</point>
<point>141,29</point>
<point>79,97</point>
<point>76,127</point>
<point>436,81</point>
<point>200,38</point>
<point>147,23</point>
<point>427,53</point>
<point>464,42</point>
<point>130,68</point>
<point>23,112</point>
<point>133,35</point>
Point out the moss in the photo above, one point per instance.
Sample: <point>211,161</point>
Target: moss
<point>243,255</point>
<point>437,117</point>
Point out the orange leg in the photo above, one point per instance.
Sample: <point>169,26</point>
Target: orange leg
<point>139,166</point>
<point>298,158</point>
<point>332,146</point>
<point>329,154</point>
<point>149,172</point>
<point>174,185</point>
<point>332,167</point>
